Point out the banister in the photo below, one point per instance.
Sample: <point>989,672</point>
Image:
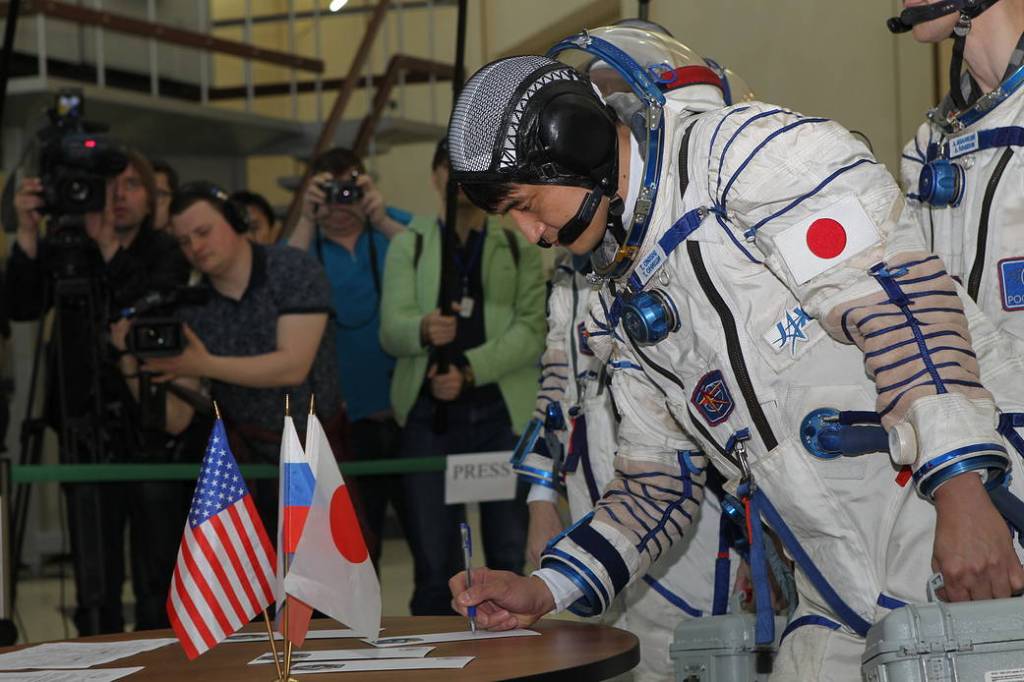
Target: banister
<point>340,102</point>
<point>122,23</point>
<point>423,68</point>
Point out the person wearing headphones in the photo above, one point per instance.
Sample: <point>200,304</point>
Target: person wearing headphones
<point>263,334</point>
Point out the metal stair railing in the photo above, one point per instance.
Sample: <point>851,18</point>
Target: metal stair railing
<point>338,109</point>
<point>102,21</point>
<point>411,69</point>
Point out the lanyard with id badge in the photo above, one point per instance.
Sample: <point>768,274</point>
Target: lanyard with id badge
<point>465,268</point>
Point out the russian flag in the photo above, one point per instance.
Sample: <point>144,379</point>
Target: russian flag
<point>295,487</point>
<point>332,568</point>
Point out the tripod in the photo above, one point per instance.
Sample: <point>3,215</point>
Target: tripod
<point>80,417</point>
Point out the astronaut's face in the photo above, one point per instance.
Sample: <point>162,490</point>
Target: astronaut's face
<point>936,30</point>
<point>540,211</point>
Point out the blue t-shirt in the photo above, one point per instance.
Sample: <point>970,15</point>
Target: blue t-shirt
<point>363,366</point>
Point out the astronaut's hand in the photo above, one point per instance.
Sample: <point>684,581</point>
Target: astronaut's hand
<point>545,523</point>
<point>503,600</point>
<point>973,546</point>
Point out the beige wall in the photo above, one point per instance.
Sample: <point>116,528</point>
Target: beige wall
<point>495,27</point>
<point>402,171</point>
<point>829,58</point>
<point>825,58</point>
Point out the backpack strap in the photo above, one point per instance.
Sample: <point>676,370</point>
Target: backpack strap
<point>513,246</point>
<point>417,251</point>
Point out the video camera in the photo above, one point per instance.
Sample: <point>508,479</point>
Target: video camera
<point>75,163</point>
<point>340,191</point>
<point>156,333</point>
<point>160,335</point>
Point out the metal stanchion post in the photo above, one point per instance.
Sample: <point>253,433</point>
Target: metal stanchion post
<point>8,632</point>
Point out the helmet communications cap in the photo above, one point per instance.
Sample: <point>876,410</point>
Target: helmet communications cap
<point>531,120</point>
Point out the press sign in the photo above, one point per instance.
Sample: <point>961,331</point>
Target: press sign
<point>479,477</point>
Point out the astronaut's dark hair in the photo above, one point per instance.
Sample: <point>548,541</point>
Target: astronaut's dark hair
<point>488,196</point>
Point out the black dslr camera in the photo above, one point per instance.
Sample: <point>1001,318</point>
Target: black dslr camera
<point>339,191</point>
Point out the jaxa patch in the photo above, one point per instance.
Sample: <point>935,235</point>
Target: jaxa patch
<point>712,398</point>
<point>582,337</point>
<point>1011,283</point>
<point>792,333</point>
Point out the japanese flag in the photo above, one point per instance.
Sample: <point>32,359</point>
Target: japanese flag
<point>826,239</point>
<point>332,570</point>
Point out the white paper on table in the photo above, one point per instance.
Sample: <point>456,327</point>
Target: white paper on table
<point>71,655</point>
<point>312,634</point>
<point>385,664</point>
<point>349,654</point>
<point>435,637</point>
<point>106,675</point>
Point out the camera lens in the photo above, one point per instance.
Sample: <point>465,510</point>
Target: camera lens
<point>78,192</point>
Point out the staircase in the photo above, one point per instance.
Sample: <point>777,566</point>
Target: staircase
<point>149,69</point>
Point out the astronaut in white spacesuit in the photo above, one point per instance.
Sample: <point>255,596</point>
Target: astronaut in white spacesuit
<point>757,273</point>
<point>574,434</point>
<point>964,170</point>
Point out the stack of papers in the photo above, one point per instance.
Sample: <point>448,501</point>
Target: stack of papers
<point>437,637</point>
<point>108,675</point>
<point>347,654</point>
<point>386,664</point>
<point>312,634</point>
<point>74,655</point>
<point>390,653</point>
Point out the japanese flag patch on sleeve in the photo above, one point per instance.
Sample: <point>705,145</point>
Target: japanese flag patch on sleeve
<point>826,239</point>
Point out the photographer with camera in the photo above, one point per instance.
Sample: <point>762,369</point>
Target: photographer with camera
<point>262,334</point>
<point>97,257</point>
<point>346,226</point>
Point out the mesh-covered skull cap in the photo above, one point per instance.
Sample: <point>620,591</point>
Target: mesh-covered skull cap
<point>493,126</point>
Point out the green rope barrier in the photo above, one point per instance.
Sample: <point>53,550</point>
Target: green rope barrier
<point>105,473</point>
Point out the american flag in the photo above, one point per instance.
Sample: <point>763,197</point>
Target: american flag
<point>225,568</point>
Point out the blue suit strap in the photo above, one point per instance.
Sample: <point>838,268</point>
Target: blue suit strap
<point>847,615</point>
<point>1009,422</point>
<point>992,138</point>
<point>764,625</point>
<point>810,619</point>
<point>673,237</point>
<point>723,568</point>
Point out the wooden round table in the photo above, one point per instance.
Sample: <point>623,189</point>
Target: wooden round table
<point>566,650</point>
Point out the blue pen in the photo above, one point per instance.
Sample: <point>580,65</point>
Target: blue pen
<point>467,556</point>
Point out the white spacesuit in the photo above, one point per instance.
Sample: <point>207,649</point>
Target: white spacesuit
<point>761,274</point>
<point>964,174</point>
<point>693,578</point>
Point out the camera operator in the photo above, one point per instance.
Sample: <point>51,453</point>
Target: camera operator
<point>135,257</point>
<point>345,220</point>
<point>124,257</point>
<point>261,335</point>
